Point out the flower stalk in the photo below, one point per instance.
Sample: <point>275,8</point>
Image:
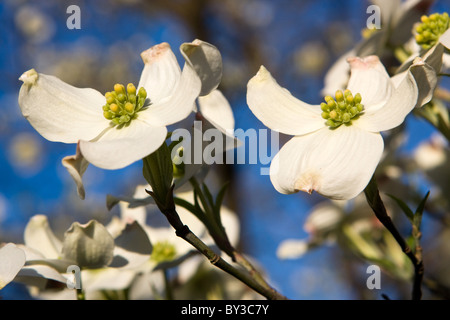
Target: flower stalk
<point>186,234</point>
<point>158,171</point>
<point>374,200</point>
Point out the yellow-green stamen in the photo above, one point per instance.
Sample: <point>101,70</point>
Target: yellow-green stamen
<point>122,105</point>
<point>163,251</point>
<point>431,28</point>
<point>343,110</point>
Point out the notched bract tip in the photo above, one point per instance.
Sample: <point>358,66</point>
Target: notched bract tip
<point>154,52</point>
<point>29,77</point>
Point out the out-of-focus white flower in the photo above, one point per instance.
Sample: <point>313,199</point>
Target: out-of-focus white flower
<point>311,58</point>
<point>12,260</point>
<point>323,217</point>
<point>431,154</point>
<point>168,249</point>
<point>322,223</point>
<point>123,128</point>
<point>90,247</point>
<point>25,153</point>
<point>336,145</point>
<point>34,24</point>
<point>162,234</point>
<point>432,159</point>
<point>292,248</point>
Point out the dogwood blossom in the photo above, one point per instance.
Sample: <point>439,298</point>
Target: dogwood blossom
<point>214,108</point>
<point>397,20</point>
<point>336,145</point>
<point>121,127</point>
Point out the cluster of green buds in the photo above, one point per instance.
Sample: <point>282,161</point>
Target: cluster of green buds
<point>431,28</point>
<point>344,109</point>
<point>163,251</point>
<point>122,105</point>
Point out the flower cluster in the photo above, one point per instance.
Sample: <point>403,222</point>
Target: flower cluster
<point>336,149</point>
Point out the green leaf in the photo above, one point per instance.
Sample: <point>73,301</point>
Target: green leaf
<point>208,195</point>
<point>408,212</point>
<point>419,211</point>
<point>220,197</point>
<point>195,209</point>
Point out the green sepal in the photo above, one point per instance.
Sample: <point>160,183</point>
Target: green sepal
<point>158,171</point>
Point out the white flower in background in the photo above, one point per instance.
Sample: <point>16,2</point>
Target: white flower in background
<point>397,20</point>
<point>321,225</point>
<point>431,154</point>
<point>324,217</point>
<point>90,247</point>
<point>162,234</point>
<point>168,249</point>
<point>292,249</point>
<point>124,125</point>
<point>336,145</point>
<point>432,159</point>
<point>12,260</point>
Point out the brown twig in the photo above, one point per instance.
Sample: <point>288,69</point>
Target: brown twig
<point>183,231</point>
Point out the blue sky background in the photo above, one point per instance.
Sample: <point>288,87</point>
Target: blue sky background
<point>281,28</point>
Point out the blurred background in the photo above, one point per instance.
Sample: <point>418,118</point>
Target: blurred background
<point>297,41</point>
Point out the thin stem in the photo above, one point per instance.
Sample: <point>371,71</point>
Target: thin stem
<point>169,293</point>
<point>255,274</point>
<point>186,234</point>
<point>168,209</point>
<point>375,202</point>
<point>222,241</point>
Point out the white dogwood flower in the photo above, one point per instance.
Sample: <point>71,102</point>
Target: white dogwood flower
<point>124,125</point>
<point>336,145</point>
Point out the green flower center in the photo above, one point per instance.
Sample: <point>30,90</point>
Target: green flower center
<point>122,105</point>
<point>431,28</point>
<point>163,251</point>
<point>342,110</point>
